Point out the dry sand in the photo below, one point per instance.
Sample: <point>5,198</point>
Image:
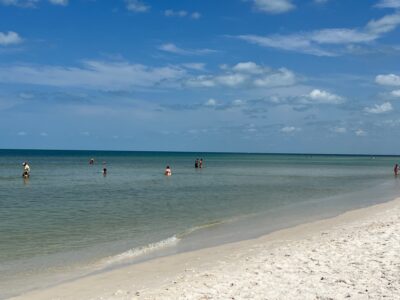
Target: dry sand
<point>355,256</point>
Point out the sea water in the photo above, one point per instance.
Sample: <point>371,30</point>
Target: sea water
<point>68,220</point>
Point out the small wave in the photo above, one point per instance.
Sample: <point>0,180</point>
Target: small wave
<point>199,227</point>
<point>139,251</point>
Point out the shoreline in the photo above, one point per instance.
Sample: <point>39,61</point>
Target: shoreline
<point>172,276</point>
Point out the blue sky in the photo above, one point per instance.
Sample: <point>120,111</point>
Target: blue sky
<point>320,76</point>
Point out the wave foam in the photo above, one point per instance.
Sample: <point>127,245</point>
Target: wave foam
<point>139,251</point>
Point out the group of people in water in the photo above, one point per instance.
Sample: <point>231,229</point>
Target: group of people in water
<point>104,171</point>
<point>198,164</point>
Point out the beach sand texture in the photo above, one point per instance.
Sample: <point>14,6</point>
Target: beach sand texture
<point>353,256</point>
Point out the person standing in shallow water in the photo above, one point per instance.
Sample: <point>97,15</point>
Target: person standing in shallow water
<point>104,169</point>
<point>201,163</point>
<point>167,171</point>
<point>396,169</point>
<point>196,163</point>
<point>27,170</point>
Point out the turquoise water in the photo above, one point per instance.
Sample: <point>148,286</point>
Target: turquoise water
<point>69,220</point>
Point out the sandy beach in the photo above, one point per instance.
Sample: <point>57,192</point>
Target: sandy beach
<point>355,255</point>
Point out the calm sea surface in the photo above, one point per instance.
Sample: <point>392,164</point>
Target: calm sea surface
<point>69,220</point>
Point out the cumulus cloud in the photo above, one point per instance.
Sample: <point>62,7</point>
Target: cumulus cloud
<point>313,42</point>
<point>9,38</point>
<point>245,74</point>
<point>395,93</point>
<point>388,4</point>
<point>248,67</point>
<point>323,97</point>
<point>182,13</point>
<point>273,6</point>
<point>137,6</point>
<point>92,75</point>
<point>172,48</point>
<point>281,77</point>
<point>379,109</point>
<point>388,79</point>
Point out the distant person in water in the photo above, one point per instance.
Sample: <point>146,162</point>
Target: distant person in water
<point>104,169</point>
<point>196,163</point>
<point>396,169</point>
<point>201,163</point>
<point>167,171</point>
<point>91,161</point>
<point>27,170</point>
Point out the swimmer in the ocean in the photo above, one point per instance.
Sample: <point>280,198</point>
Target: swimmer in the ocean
<point>167,171</point>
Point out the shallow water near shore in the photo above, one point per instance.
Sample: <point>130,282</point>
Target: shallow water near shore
<point>68,220</point>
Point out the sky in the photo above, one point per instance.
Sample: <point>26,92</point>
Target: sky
<point>287,76</point>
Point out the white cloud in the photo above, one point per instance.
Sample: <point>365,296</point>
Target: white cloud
<point>172,48</point>
<point>389,79</point>
<point>93,74</point>
<point>211,102</point>
<point>248,67</point>
<point>137,6</point>
<point>31,3</point>
<point>379,109</point>
<point>388,4</point>
<point>313,41</point>
<point>195,66</point>
<point>20,3</point>
<point>201,81</point>
<point>10,38</point>
<point>231,80</point>
<point>296,43</point>
<point>289,129</point>
<point>273,6</point>
<point>246,73</point>
<point>323,97</point>
<point>395,93</point>
<point>22,133</point>
<point>360,132</point>
<point>43,134</point>
<point>281,77</point>
<point>383,25</point>
<point>182,13</point>
<point>59,2</point>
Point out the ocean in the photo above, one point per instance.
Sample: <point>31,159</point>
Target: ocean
<point>68,220</point>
